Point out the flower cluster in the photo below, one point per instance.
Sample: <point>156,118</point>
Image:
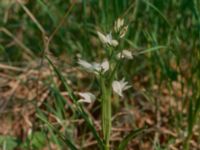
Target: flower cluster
<point>101,68</point>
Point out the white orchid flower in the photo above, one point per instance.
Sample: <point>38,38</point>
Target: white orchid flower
<point>107,39</point>
<point>111,41</point>
<point>120,86</point>
<point>105,66</point>
<point>125,54</point>
<point>101,67</point>
<point>86,97</point>
<point>94,67</point>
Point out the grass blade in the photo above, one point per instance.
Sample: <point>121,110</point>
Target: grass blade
<point>43,118</point>
<point>130,136</point>
<point>79,107</point>
<point>150,50</point>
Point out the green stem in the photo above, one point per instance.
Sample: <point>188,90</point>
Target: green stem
<point>187,142</point>
<point>106,88</point>
<point>106,112</point>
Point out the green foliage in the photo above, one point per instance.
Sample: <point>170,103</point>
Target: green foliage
<point>37,140</point>
<point>8,142</point>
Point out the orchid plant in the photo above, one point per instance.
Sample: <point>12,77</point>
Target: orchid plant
<point>105,72</point>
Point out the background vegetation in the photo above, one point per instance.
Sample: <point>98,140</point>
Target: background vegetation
<point>36,109</point>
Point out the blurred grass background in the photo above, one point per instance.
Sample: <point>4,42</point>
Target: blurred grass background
<point>173,24</point>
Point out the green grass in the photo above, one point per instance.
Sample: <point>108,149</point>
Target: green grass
<point>165,39</point>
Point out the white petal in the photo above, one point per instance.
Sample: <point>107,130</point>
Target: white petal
<point>86,97</point>
<point>105,66</point>
<point>114,43</point>
<point>85,64</point>
<point>109,37</point>
<point>111,41</point>
<point>127,54</point>
<point>84,101</point>
<point>102,37</point>
<point>96,66</point>
<point>118,24</point>
<point>124,84</point>
<point>117,88</point>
